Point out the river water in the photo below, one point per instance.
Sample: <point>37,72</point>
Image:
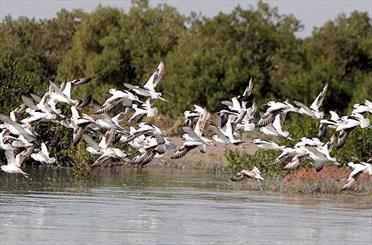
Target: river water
<point>170,206</point>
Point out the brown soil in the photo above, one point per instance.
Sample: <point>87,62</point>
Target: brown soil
<point>213,158</point>
<point>330,179</point>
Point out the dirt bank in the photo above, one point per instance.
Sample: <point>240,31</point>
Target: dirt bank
<point>213,158</point>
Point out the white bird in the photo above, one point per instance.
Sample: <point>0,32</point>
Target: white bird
<point>275,129</point>
<point>253,174</point>
<point>143,110</point>
<point>43,155</point>
<point>4,143</point>
<point>38,115</point>
<point>109,153</point>
<point>142,128</point>
<point>192,141</point>
<point>353,121</point>
<point>155,149</point>
<point>188,146</point>
<point>358,169</point>
<point>148,89</point>
<point>109,123</point>
<point>219,136</point>
<point>70,86</point>
<point>289,152</point>
<point>296,161</point>
<point>347,125</point>
<point>274,109</point>
<point>325,123</point>
<point>313,111</point>
<point>119,97</point>
<point>79,124</point>
<point>191,115</point>
<point>14,163</point>
<point>268,145</point>
<point>94,148</point>
<point>363,107</point>
<point>18,142</point>
<point>57,95</point>
<point>18,129</point>
<point>321,156</point>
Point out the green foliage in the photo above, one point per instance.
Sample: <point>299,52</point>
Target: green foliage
<point>357,147</point>
<point>82,161</point>
<point>115,47</point>
<point>15,80</point>
<point>216,58</point>
<point>39,44</point>
<point>207,59</point>
<point>60,141</point>
<point>260,159</point>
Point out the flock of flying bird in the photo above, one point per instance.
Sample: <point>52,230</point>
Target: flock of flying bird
<point>20,141</point>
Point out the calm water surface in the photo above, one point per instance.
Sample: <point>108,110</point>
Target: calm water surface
<point>169,206</point>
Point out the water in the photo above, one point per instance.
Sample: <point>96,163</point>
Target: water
<point>169,206</point>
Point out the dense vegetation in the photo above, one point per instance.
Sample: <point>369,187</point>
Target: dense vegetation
<point>205,56</point>
<point>208,59</point>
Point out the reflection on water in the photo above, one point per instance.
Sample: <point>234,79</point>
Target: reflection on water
<point>170,206</point>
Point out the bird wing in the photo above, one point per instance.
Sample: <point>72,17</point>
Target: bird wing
<point>267,144</point>
<point>342,137</point>
<point>236,104</point>
<point>23,155</point>
<point>191,133</point>
<point>130,86</point>
<point>10,157</point>
<point>357,171</point>
<point>200,125</point>
<point>349,183</point>
<point>218,132</point>
<point>322,130</point>
<point>78,132</point>
<point>100,160</point>
<point>109,104</point>
<point>55,88</point>
<point>238,177</point>
<point>155,78</point>
<point>276,124</point>
<point>67,89</point>
<point>28,102</point>
<point>227,103</point>
<point>78,82</point>
<point>295,161</point>
<point>91,142</point>
<point>35,97</point>
<point>285,155</point>
<point>44,150</point>
<point>182,151</point>
<point>265,119</point>
<point>334,116</point>
<point>319,99</point>
<point>249,88</point>
<point>120,116</point>
<point>160,70</point>
<point>85,102</point>
<point>303,106</point>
